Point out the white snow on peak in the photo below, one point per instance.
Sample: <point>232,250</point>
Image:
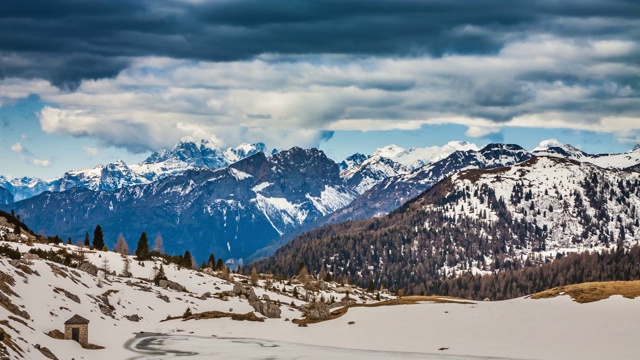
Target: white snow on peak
<point>546,144</point>
<point>418,157</point>
<point>389,151</point>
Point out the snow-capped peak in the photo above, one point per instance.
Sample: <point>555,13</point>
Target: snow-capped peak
<point>389,151</point>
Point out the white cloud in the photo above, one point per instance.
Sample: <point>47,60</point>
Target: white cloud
<point>40,162</point>
<point>90,150</point>
<point>26,156</point>
<point>540,81</point>
<point>479,131</point>
<point>17,148</point>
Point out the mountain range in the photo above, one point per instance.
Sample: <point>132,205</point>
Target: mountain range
<point>187,154</point>
<point>255,203</point>
<point>478,221</point>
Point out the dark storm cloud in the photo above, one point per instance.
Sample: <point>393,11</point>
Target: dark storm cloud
<point>70,40</point>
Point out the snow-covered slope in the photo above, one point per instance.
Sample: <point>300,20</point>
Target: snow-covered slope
<point>128,316</point>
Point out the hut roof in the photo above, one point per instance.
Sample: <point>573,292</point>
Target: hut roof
<point>76,320</point>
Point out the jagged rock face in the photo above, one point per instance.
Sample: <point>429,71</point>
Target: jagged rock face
<point>230,212</point>
<point>352,161</point>
<point>5,196</point>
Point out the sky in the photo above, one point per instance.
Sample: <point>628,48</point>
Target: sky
<point>88,82</point>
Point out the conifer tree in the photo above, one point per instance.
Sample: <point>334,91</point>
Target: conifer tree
<point>98,238</point>
<point>212,261</point>
<point>160,275</point>
<point>371,286</point>
<point>186,260</point>
<point>87,243</point>
<point>142,250</point>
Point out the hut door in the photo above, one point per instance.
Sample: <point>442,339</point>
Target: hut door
<point>75,334</point>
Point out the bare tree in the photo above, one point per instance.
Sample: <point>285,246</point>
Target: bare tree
<point>126,269</point>
<point>105,267</point>
<point>122,247</point>
<point>82,256</point>
<point>158,245</point>
<point>254,277</point>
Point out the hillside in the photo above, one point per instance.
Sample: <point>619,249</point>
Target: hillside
<point>478,221</point>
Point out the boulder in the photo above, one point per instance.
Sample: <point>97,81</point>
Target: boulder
<point>267,309</point>
<point>240,290</point>
<point>134,317</point>
<point>30,256</point>
<point>168,284</point>
<point>89,268</point>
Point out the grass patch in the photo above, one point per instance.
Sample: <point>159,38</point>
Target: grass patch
<point>250,316</point>
<point>593,291</point>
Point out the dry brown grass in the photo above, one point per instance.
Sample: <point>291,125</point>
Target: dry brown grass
<point>250,316</point>
<point>405,300</point>
<point>593,291</point>
<point>56,334</point>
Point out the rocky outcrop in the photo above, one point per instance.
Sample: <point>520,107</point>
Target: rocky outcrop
<point>266,308</point>
<point>316,310</point>
<point>89,268</point>
<point>240,290</point>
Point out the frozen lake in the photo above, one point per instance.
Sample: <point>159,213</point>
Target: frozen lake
<point>159,346</point>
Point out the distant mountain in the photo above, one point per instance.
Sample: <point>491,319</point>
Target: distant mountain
<point>478,221</point>
<point>361,173</point>
<point>231,212</point>
<point>187,154</point>
<point>553,147</point>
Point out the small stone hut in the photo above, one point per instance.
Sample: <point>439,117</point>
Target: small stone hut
<point>77,328</point>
